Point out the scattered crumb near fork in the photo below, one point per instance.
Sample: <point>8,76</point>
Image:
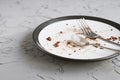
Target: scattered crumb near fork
<point>91,38</point>
<point>112,38</point>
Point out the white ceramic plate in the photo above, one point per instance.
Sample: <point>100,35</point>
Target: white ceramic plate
<point>61,29</point>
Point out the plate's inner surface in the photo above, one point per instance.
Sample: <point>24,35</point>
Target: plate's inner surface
<point>54,39</point>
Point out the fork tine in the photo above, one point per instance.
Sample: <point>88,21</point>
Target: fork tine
<point>88,28</point>
<point>84,27</point>
<point>81,28</point>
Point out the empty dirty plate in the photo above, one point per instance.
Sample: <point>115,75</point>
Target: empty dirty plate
<point>54,37</point>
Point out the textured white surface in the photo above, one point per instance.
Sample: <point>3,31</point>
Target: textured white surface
<point>21,60</point>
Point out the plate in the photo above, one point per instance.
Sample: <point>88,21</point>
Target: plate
<point>53,35</point>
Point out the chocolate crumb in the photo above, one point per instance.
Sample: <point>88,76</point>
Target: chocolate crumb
<point>48,38</point>
<point>112,38</point>
<point>61,32</point>
<point>90,38</point>
<point>93,38</point>
<point>56,44</point>
<point>68,42</point>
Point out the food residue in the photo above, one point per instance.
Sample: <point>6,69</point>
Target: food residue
<point>61,32</point>
<point>97,45</point>
<point>71,43</point>
<point>48,38</point>
<point>91,38</point>
<point>56,44</point>
<point>112,38</point>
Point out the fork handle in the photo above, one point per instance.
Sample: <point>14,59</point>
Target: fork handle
<point>109,41</point>
<point>117,51</point>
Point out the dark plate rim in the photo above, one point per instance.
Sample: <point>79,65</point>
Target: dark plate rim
<point>43,25</point>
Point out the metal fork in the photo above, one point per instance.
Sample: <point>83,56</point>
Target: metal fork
<point>89,33</point>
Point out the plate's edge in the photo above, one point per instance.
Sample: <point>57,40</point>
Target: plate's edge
<point>41,26</point>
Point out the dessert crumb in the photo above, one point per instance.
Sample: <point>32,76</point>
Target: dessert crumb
<point>48,38</point>
<point>61,32</point>
<point>56,44</point>
<point>112,38</point>
<point>71,43</point>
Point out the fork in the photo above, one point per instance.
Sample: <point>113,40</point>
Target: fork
<point>87,31</point>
